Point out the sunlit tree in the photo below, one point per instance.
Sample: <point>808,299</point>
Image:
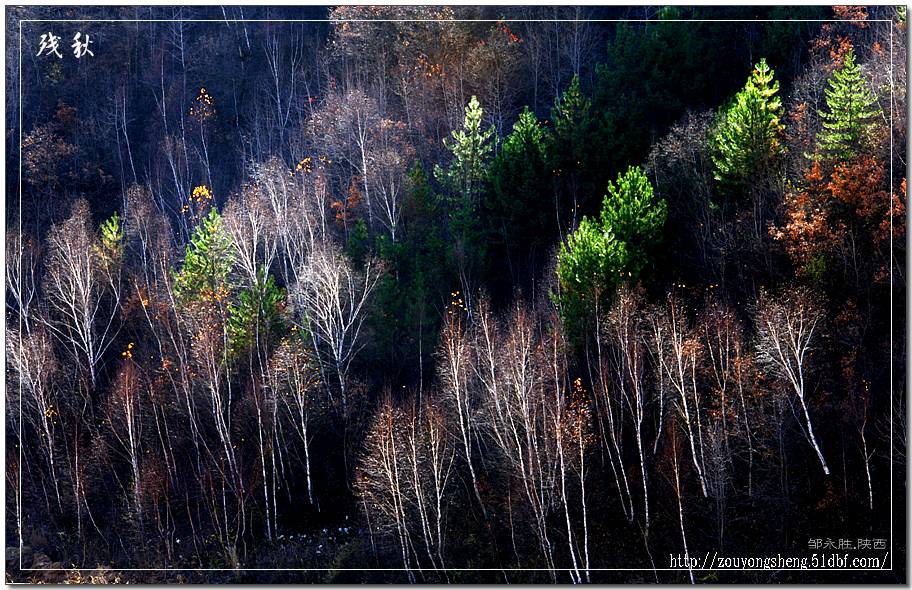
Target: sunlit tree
<point>851,111</point>
<point>748,133</point>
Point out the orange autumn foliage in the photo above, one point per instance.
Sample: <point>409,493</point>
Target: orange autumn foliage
<point>897,214</point>
<point>835,37</point>
<point>854,200</point>
<point>806,230</point>
<point>345,208</point>
<point>860,185</point>
<point>857,14</point>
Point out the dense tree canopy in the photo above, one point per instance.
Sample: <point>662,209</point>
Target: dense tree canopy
<point>520,205</point>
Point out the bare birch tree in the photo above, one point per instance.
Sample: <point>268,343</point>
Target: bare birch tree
<point>787,329</point>
<point>626,332</point>
<point>124,418</point>
<point>331,297</point>
<point>677,350</point>
<point>22,258</point>
<point>519,413</point>
<point>380,478</point>
<point>294,377</point>
<point>81,316</point>
<point>455,368</point>
<point>390,157</point>
<point>33,365</point>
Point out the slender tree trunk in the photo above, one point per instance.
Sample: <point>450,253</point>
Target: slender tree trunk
<point>810,431</point>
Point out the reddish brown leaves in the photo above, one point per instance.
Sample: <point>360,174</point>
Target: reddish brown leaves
<point>850,210</point>
<point>345,208</point>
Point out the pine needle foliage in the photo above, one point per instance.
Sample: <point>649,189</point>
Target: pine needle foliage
<point>747,134</point>
<point>207,263</point>
<point>850,113</point>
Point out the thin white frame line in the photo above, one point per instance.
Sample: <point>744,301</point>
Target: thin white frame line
<point>467,569</point>
<point>892,108</point>
<point>472,20</point>
<point>449,20</point>
<point>498,570</point>
<point>19,278</point>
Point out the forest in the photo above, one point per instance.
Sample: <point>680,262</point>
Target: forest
<point>455,294</point>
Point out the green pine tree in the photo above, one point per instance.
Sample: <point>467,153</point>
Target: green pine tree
<point>405,321</point>
<point>601,254</point>
<point>205,274</point>
<point>111,242</point>
<point>471,147</point>
<point>464,180</point>
<point>574,154</point>
<point>747,134</point>
<point>358,243</point>
<point>587,270</point>
<point>635,217</point>
<point>851,108</point>
<point>572,114</point>
<point>256,318</point>
<point>519,204</point>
